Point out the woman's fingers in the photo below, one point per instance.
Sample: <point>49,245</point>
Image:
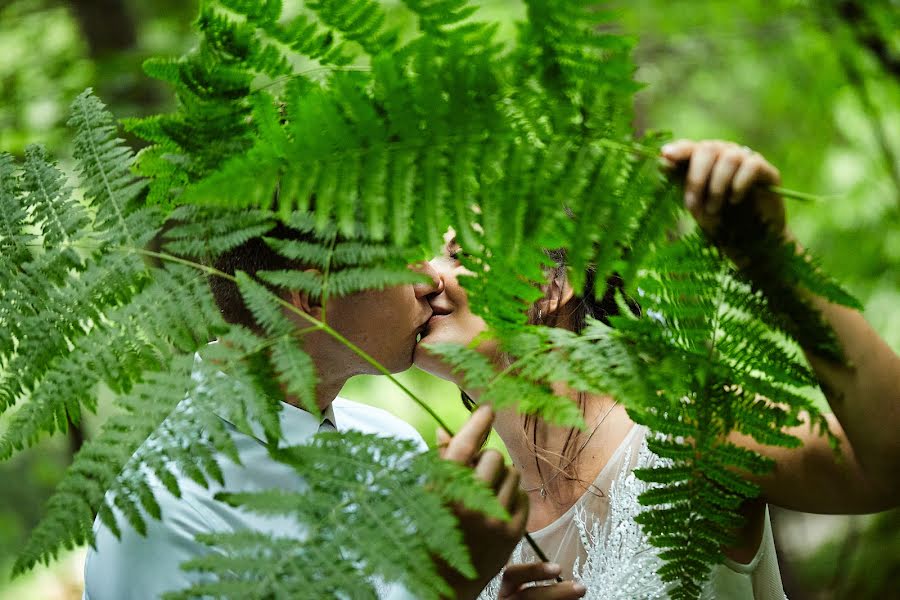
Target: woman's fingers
<point>701,164</point>
<point>519,512</point>
<point>718,171</point>
<point>490,468</point>
<point>754,170</point>
<point>509,490</point>
<point>463,447</point>
<point>567,590</point>
<point>443,440</point>
<point>515,576</point>
<point>678,150</point>
<point>720,179</point>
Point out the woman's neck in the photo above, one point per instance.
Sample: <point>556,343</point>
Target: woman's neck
<point>541,450</point>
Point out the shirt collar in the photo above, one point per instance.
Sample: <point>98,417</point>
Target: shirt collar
<point>328,414</point>
<point>297,425</point>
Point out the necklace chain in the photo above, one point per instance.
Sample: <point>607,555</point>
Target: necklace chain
<point>543,486</point>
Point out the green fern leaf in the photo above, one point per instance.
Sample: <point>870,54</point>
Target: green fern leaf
<point>296,371</point>
<point>402,508</point>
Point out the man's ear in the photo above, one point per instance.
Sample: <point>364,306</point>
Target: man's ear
<point>557,293</point>
<point>302,300</point>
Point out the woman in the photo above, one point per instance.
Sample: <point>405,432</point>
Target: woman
<point>582,491</point>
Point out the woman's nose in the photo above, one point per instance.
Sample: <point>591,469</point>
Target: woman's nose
<point>433,286</point>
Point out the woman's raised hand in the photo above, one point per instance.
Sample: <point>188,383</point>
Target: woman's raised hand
<point>517,577</point>
<point>719,175</point>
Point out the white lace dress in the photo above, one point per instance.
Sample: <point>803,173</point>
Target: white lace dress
<point>598,543</point>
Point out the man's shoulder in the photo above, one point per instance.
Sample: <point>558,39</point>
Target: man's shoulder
<point>371,419</point>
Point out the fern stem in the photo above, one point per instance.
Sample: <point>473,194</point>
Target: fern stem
<point>298,74</point>
<point>801,196</point>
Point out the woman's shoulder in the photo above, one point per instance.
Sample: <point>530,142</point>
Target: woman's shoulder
<point>623,453</point>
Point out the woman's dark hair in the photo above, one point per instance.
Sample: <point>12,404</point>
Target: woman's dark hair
<point>579,308</point>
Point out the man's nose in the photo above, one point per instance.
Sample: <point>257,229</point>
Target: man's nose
<point>433,286</point>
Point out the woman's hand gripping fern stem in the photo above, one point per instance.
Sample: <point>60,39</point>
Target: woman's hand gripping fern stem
<point>492,541</point>
<point>729,191</point>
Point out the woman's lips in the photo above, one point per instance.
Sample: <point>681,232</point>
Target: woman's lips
<point>429,324</point>
<point>436,318</point>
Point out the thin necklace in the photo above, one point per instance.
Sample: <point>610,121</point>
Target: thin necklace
<point>543,486</point>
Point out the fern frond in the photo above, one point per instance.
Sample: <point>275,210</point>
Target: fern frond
<point>203,234</point>
<point>267,312</point>
<point>104,167</point>
<point>70,511</point>
<point>296,371</point>
<point>384,493</point>
<point>50,318</point>
<point>501,391</point>
<point>519,151</point>
<point>116,351</point>
<point>233,40</point>
<point>337,255</point>
<point>341,282</point>
<point>572,56</point>
<point>350,280</point>
<point>776,269</point>
<point>437,15</point>
<point>304,281</point>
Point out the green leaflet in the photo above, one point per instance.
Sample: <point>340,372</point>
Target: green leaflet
<point>296,371</point>
<point>104,168</point>
<point>61,216</point>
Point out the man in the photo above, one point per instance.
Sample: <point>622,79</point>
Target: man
<point>383,323</point>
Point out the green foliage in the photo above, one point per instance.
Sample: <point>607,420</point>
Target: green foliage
<point>519,150</point>
<point>46,66</point>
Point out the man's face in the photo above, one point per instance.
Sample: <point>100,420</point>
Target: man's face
<point>385,324</point>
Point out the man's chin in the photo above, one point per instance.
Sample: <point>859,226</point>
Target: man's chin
<point>420,356</point>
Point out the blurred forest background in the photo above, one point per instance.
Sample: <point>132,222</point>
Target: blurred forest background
<point>814,85</point>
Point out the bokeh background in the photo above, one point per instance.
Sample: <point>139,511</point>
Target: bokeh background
<point>814,85</point>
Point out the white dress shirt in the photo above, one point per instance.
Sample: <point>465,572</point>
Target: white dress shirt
<point>136,567</point>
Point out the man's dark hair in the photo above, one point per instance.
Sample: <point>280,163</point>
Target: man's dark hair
<point>251,256</point>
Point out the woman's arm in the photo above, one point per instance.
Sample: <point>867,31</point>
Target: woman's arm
<point>864,393</point>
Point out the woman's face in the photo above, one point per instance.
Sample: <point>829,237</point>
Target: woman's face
<point>452,320</point>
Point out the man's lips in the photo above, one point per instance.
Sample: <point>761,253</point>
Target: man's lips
<point>422,329</point>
